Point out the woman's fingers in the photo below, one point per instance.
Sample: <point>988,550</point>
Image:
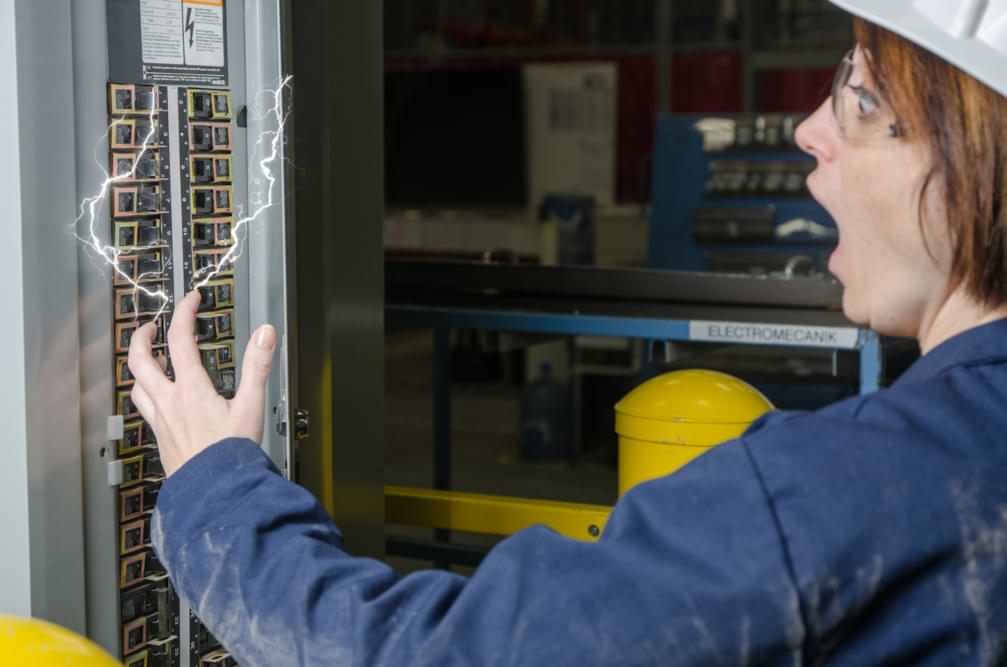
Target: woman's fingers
<point>142,364</point>
<point>188,415</point>
<point>182,341</point>
<point>141,399</point>
<point>249,403</point>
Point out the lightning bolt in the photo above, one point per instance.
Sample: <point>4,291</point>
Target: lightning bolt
<point>91,206</point>
<point>259,172</point>
<point>263,172</point>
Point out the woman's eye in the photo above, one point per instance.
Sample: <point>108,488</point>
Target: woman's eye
<point>866,101</point>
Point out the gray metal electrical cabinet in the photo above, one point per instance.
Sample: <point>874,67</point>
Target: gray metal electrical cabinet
<point>228,92</point>
<point>42,559</point>
<point>83,81</point>
<point>154,109</point>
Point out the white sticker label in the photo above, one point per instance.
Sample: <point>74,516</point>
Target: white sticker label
<point>161,32</point>
<point>774,334</point>
<point>204,32</point>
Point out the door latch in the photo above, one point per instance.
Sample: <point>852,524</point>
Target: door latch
<point>302,424</point>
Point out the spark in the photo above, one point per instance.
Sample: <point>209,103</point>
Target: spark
<point>90,207</point>
<point>275,139</point>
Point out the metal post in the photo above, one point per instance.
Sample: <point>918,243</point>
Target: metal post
<point>576,400</point>
<point>338,67</point>
<point>442,422</point>
<point>872,363</point>
<point>442,409</point>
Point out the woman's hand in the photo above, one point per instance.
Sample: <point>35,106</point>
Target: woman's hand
<point>187,414</point>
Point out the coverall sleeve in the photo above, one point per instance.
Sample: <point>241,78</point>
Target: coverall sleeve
<point>691,570</point>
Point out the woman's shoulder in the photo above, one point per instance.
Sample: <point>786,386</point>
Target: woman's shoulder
<point>899,485</point>
<point>967,403</point>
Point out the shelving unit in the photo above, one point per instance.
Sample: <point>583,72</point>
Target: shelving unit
<point>730,56</point>
<point>661,28</point>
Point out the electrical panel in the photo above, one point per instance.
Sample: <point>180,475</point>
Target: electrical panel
<point>140,168</point>
<point>175,196</point>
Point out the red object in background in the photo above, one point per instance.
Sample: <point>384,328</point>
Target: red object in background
<point>708,82</point>
<point>635,131</point>
<point>793,91</point>
<point>523,28</point>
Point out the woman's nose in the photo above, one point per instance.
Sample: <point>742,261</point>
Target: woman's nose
<point>818,135</point>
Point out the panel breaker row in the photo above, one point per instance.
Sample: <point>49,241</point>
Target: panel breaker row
<point>141,233</point>
<point>209,237</point>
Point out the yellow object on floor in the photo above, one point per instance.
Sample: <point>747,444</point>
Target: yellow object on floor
<point>673,418</point>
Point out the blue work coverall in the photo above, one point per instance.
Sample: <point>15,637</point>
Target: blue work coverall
<point>871,532</point>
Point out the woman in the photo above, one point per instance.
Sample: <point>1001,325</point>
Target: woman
<point>873,531</point>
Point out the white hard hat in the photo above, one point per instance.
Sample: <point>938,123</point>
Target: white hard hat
<point>970,34</point>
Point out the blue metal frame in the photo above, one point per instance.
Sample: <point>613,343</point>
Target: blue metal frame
<point>443,319</point>
<point>529,322</point>
<point>872,362</point>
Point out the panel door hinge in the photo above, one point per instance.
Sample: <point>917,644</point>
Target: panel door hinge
<point>280,413</point>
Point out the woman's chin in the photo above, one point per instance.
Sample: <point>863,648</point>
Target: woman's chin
<point>853,308</point>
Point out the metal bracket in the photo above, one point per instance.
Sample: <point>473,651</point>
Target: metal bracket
<point>114,430</point>
<point>114,427</point>
<point>113,471</point>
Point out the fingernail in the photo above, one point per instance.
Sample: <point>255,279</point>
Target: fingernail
<point>265,338</point>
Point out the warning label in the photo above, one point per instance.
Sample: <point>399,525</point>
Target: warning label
<point>180,42</point>
<point>204,33</point>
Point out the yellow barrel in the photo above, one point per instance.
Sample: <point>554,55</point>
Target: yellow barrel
<point>673,418</point>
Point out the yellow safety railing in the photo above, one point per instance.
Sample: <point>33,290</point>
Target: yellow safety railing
<point>496,515</point>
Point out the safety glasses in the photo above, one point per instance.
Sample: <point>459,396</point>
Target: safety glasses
<point>860,112</point>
